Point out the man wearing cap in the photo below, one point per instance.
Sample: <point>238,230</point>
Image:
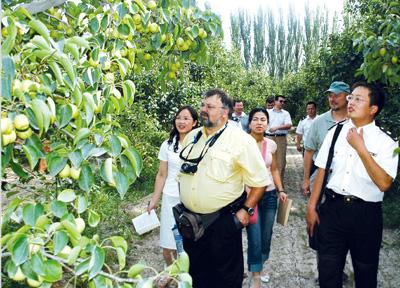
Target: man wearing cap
<point>279,124</point>
<point>337,93</point>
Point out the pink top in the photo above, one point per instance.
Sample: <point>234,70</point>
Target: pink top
<point>268,147</point>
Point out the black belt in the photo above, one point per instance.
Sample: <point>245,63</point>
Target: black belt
<point>275,135</point>
<point>346,198</point>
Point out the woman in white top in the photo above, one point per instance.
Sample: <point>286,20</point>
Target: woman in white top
<point>259,234</point>
<point>184,121</point>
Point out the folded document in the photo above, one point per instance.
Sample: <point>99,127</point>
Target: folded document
<point>146,222</point>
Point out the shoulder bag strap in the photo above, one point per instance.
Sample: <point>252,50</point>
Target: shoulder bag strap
<point>329,161</point>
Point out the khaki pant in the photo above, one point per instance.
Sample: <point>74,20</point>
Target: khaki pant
<point>281,143</point>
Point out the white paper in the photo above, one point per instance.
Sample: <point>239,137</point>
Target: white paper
<point>146,222</point>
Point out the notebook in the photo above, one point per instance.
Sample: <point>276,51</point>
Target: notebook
<point>145,222</point>
<point>283,211</point>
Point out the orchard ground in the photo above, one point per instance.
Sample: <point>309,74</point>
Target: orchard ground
<point>292,264</point>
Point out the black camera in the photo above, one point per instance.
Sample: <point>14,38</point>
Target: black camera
<point>189,168</point>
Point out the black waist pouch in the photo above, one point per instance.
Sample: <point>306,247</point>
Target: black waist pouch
<point>192,225</point>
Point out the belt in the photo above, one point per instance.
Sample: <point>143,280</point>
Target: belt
<point>348,199</point>
<point>275,135</point>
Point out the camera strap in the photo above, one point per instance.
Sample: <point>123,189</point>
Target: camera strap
<point>209,143</point>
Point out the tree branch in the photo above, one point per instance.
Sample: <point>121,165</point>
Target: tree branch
<point>40,6</point>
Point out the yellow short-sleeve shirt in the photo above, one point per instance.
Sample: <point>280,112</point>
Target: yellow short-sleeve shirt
<point>232,162</point>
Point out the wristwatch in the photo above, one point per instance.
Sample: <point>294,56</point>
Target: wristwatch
<point>249,210</point>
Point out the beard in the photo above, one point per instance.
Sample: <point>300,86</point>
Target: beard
<point>206,122</point>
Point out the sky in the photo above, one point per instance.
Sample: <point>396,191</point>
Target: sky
<point>225,7</point>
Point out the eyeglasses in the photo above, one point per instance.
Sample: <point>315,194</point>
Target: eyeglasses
<point>184,118</point>
<point>209,107</point>
<point>354,98</point>
<point>282,101</point>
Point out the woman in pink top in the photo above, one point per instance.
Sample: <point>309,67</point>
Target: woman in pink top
<point>259,234</point>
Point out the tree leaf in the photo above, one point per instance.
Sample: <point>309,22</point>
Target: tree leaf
<point>93,218</point>
<point>32,154</point>
<point>76,158</point>
<point>53,271</point>
<point>94,25</point>
<point>27,269</point>
<point>124,29</point>
<point>86,179</point>
<point>63,115</point>
<point>58,208</point>
<point>37,264</point>
<point>81,134</point>
<point>20,249</point>
<point>135,159</point>
<point>74,255</point>
<point>8,73</point>
<point>121,257</point>
<point>119,241</point>
<point>60,241</point>
<point>121,183</point>
<point>82,267</point>
<point>128,169</point>
<point>19,170</point>
<point>115,145</point>
<point>96,261</point>
<point>82,204</point>
<point>55,163</point>
<point>67,195</point>
<point>31,212</point>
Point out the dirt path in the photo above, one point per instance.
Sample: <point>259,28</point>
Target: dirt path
<point>292,264</point>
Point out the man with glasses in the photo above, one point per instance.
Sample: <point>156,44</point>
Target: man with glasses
<point>218,161</point>
<point>279,124</point>
<point>363,168</point>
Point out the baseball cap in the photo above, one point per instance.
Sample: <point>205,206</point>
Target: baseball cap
<point>338,87</point>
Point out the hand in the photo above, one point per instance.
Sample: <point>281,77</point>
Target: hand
<point>283,196</point>
<point>355,139</point>
<point>298,147</point>
<point>152,205</point>
<point>306,187</point>
<point>272,129</point>
<point>312,219</point>
<point>243,217</point>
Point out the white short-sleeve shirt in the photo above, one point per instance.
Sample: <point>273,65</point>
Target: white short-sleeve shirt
<point>304,126</point>
<point>278,118</point>
<point>172,158</point>
<point>349,176</point>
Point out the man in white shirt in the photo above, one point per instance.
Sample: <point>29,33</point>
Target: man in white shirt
<point>279,124</point>
<point>305,124</point>
<point>239,116</point>
<point>363,168</point>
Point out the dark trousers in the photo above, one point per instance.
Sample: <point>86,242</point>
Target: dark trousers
<point>216,259</point>
<point>354,227</point>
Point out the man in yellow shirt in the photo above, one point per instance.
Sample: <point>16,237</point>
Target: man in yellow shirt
<point>218,161</point>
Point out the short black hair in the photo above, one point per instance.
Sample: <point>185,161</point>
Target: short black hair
<point>270,100</point>
<point>376,94</point>
<point>277,97</point>
<point>258,109</point>
<point>225,99</point>
<point>312,103</point>
<point>237,101</point>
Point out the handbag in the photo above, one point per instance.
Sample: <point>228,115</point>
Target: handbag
<point>313,240</point>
